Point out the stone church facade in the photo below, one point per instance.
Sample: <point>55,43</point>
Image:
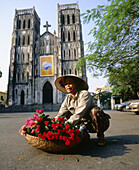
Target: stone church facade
<point>37,60</point>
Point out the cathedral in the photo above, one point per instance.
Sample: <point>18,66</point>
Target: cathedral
<point>37,60</point>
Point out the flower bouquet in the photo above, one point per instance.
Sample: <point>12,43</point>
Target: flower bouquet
<point>50,134</point>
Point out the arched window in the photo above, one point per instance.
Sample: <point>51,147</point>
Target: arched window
<point>27,76</point>
<point>22,77</point>
<point>68,36</point>
<point>19,24</point>
<point>68,19</point>
<point>27,93</point>
<point>23,43</point>
<point>73,18</point>
<point>75,72</point>
<point>28,57</point>
<point>64,72</point>
<point>28,39</point>
<point>70,71</point>
<point>17,79</point>
<point>29,23</point>
<point>24,24</point>
<point>63,36</point>
<point>36,71</point>
<point>69,54</point>
<point>74,53</point>
<point>64,55</point>
<point>63,19</point>
<point>74,36</point>
<point>19,41</point>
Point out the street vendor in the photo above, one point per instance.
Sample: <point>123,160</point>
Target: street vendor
<point>79,107</point>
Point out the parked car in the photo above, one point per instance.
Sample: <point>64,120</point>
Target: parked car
<point>122,106</point>
<point>133,106</point>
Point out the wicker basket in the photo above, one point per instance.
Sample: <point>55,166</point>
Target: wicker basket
<point>48,146</point>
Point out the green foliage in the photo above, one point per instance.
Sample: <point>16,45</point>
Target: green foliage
<point>0,74</point>
<point>114,51</point>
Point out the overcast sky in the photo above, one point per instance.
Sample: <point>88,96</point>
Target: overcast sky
<point>47,11</point>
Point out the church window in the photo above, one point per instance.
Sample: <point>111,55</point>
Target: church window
<point>75,53</point>
<point>23,43</point>
<point>19,24</point>
<point>36,72</point>
<point>17,77</point>
<point>29,23</point>
<point>22,77</point>
<point>64,55</point>
<point>24,24</point>
<point>68,19</point>
<point>19,41</point>
<point>28,39</point>
<point>64,72</point>
<point>73,18</point>
<point>63,36</point>
<point>75,72</point>
<point>63,19</point>
<point>68,36</point>
<point>28,57</point>
<point>69,54</point>
<point>27,76</point>
<point>27,93</point>
<point>70,71</point>
<point>74,36</point>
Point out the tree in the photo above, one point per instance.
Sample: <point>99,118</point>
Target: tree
<point>124,80</point>
<point>115,47</point>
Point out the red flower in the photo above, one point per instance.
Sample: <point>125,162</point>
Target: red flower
<point>40,111</point>
<point>53,119</point>
<point>67,127</point>
<point>61,119</point>
<point>64,138</point>
<point>68,142</point>
<point>46,123</point>
<point>37,110</point>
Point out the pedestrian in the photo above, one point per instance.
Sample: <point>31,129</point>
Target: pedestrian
<point>79,107</point>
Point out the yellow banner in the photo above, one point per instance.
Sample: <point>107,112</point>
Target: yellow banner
<point>46,65</point>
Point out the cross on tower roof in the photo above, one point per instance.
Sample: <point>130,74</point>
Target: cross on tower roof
<point>47,25</point>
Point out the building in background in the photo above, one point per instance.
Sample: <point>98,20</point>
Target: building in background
<point>3,98</point>
<point>37,60</point>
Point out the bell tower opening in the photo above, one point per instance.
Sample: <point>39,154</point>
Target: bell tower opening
<point>47,93</point>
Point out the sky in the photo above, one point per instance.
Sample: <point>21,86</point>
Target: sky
<point>47,11</point>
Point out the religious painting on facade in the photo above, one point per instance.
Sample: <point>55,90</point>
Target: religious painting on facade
<point>46,65</point>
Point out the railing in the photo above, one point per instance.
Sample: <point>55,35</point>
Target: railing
<point>66,6</point>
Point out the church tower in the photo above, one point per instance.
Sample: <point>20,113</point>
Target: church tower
<point>26,31</point>
<point>37,60</point>
<point>70,38</point>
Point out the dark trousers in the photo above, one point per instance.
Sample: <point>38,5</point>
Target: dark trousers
<point>98,122</point>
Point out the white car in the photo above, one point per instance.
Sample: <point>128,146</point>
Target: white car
<point>133,106</point>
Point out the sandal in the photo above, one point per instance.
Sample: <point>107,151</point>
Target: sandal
<point>101,141</point>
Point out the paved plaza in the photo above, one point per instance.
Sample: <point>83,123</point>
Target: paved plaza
<point>121,152</point>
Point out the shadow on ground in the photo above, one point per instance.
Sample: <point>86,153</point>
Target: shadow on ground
<point>116,146</point>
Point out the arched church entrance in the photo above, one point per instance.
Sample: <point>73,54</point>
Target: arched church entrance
<point>22,97</point>
<point>47,93</point>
